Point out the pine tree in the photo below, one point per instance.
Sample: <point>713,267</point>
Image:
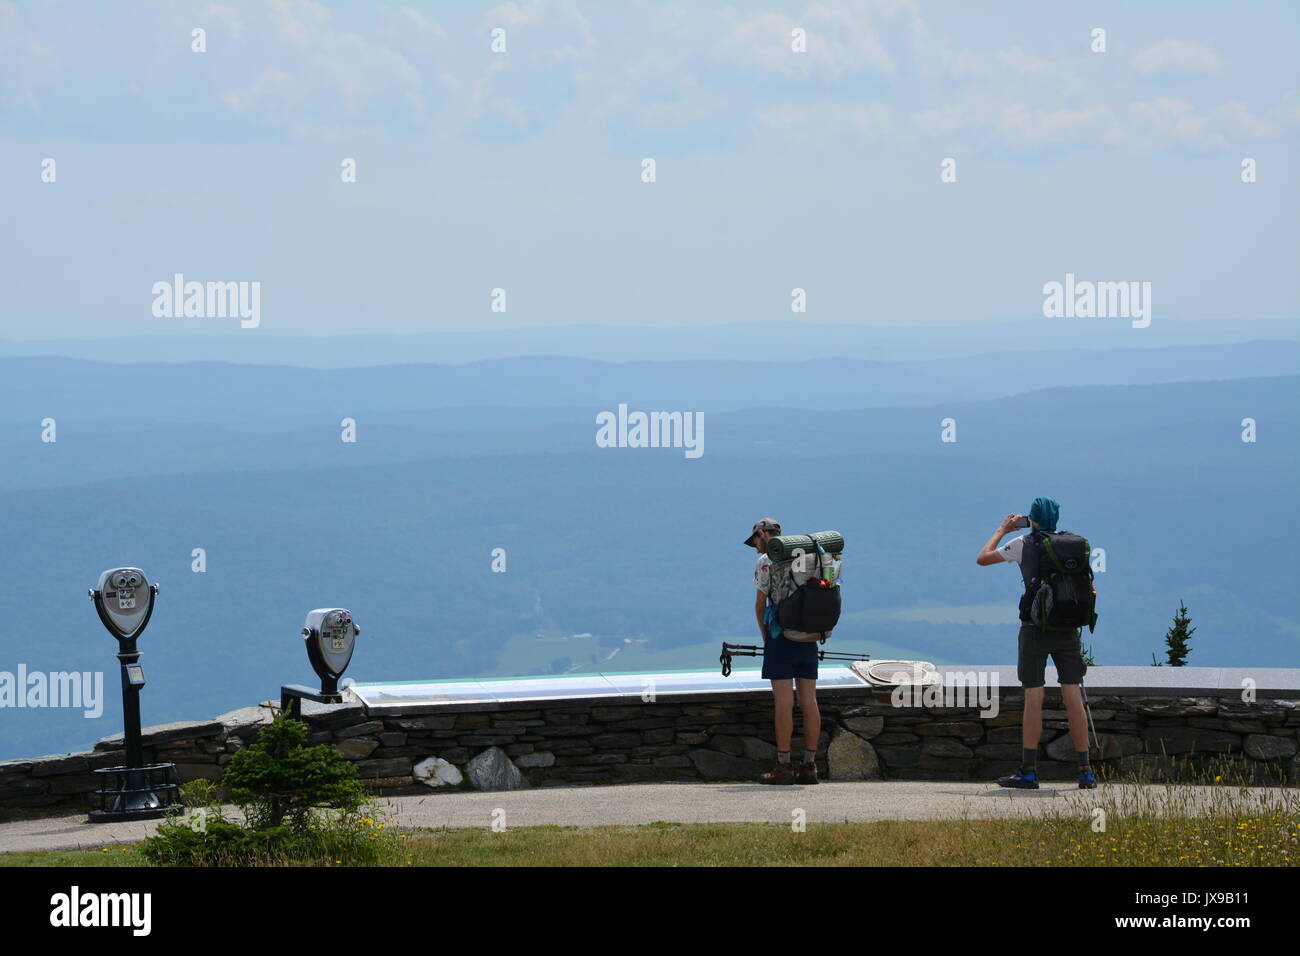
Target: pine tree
<point>1178,637</point>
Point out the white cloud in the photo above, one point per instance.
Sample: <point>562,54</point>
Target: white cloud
<point>512,14</point>
<point>1176,58</point>
<point>554,31</point>
<point>1236,118</point>
<point>1028,128</point>
<point>828,124</point>
<point>842,40</point>
<point>932,56</point>
<point>1018,61</point>
<point>1019,126</point>
<point>1287,112</point>
<point>407,27</point>
<point>1171,123</point>
<point>637,71</point>
<point>25,61</point>
<point>1165,123</point>
<point>228,17</point>
<point>935,58</point>
<point>326,75</point>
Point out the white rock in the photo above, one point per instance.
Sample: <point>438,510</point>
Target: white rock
<point>436,772</point>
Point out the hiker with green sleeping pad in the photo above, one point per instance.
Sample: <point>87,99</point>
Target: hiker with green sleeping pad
<point>793,590</point>
<point>1058,601</point>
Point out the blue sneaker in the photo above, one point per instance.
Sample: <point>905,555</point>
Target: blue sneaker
<point>1087,780</point>
<point>1020,780</point>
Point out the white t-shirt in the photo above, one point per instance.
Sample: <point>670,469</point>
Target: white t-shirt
<point>1014,549</point>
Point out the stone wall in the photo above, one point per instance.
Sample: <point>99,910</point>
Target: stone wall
<point>714,737</point>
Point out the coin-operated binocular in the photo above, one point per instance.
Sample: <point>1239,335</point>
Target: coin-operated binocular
<point>331,636</point>
<point>124,600</point>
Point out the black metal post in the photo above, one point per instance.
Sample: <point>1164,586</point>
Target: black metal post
<point>128,655</point>
<point>292,696</point>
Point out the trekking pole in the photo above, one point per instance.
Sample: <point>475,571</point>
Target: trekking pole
<point>842,656</point>
<point>1088,708</point>
<point>753,650</point>
<point>743,650</point>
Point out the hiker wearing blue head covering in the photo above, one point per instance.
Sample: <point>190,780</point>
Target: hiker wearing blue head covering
<point>1036,553</point>
<point>1044,513</point>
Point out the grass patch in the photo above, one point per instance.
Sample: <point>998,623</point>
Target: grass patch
<point>124,855</point>
<point>1148,826</point>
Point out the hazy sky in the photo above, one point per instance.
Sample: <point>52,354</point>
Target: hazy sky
<point>522,170</point>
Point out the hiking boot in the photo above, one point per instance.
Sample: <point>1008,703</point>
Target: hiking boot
<point>1020,780</point>
<point>1087,780</point>
<point>807,774</point>
<point>782,773</point>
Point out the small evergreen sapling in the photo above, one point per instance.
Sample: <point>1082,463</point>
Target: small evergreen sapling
<point>280,780</point>
<point>1178,638</point>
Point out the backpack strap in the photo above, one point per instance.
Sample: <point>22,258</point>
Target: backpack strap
<point>1030,552</point>
<point>818,571</point>
<point>1051,555</point>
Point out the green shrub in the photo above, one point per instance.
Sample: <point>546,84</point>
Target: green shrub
<point>280,779</point>
<point>299,803</point>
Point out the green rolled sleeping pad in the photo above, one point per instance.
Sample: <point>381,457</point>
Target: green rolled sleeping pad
<point>782,548</point>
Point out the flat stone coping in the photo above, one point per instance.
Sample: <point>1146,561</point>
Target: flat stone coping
<point>1274,682</point>
<point>452,696</point>
<point>512,693</point>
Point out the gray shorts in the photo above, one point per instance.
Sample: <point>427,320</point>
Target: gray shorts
<point>1065,648</point>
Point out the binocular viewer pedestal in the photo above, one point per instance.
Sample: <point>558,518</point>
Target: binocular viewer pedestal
<point>137,793</point>
<point>124,601</point>
<point>292,696</point>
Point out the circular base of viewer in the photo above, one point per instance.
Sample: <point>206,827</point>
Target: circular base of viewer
<point>139,793</point>
<point>118,816</point>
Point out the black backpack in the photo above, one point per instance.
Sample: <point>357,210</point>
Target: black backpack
<point>811,608</point>
<point>1057,569</point>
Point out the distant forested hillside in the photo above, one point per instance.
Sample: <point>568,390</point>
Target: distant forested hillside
<point>644,543</point>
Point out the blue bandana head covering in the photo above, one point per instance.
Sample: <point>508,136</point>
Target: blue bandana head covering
<point>1044,513</point>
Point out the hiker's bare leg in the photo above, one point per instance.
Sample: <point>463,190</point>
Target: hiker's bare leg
<point>806,688</point>
<point>1033,725</point>
<point>1078,719</point>
<point>783,691</point>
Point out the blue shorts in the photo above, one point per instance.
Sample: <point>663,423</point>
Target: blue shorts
<point>784,659</point>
